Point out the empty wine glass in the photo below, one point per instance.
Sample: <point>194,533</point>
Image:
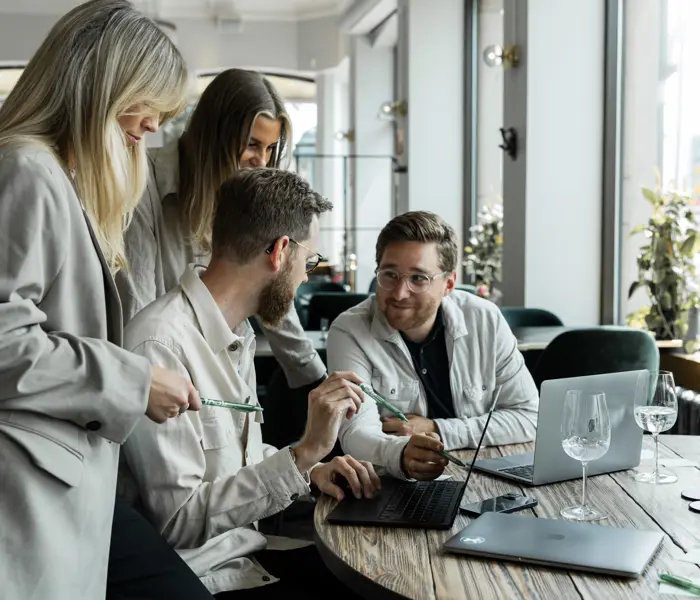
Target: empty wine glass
<point>585,436</point>
<point>657,412</point>
<point>324,329</point>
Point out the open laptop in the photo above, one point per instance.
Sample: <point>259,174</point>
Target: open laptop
<point>557,543</point>
<point>418,504</point>
<point>549,463</point>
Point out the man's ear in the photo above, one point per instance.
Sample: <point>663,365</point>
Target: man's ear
<point>450,283</point>
<point>277,254</point>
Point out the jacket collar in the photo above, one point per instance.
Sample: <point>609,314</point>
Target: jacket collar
<point>211,322</point>
<point>455,326</point>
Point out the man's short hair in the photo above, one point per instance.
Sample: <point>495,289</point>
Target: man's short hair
<point>421,226</point>
<point>256,207</point>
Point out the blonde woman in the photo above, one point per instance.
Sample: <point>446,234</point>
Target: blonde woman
<point>72,169</point>
<point>239,122</point>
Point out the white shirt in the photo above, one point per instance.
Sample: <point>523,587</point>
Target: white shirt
<point>205,479</point>
<point>483,355</point>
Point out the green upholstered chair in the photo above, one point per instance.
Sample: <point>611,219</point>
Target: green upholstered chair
<point>597,351</point>
<point>305,293</point>
<point>530,317</point>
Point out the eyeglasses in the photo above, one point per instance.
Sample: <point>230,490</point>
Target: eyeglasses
<point>311,262</point>
<point>418,283</point>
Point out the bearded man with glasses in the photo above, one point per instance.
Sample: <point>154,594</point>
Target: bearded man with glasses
<point>436,353</point>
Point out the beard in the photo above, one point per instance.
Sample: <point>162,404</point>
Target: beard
<point>276,299</point>
<point>412,316</point>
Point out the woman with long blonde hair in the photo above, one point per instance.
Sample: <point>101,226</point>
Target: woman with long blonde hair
<point>239,122</point>
<point>72,170</point>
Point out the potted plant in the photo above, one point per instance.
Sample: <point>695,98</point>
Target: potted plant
<point>483,256</point>
<point>666,265</point>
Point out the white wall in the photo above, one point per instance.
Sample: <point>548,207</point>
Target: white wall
<point>489,160</point>
<point>434,79</point>
<point>264,44</point>
<point>565,67</point>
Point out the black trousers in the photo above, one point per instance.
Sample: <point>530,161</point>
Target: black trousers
<point>142,566</point>
<point>302,574</point>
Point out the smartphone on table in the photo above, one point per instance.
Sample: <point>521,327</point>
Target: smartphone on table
<point>507,503</point>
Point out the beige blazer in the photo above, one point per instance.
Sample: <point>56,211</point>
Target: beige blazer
<point>159,253</point>
<point>68,397</point>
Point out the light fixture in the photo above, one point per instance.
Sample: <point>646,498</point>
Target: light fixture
<point>348,135</point>
<point>496,55</point>
<point>388,111</point>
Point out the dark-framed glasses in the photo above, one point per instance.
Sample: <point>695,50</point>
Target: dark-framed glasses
<point>418,283</point>
<point>311,261</point>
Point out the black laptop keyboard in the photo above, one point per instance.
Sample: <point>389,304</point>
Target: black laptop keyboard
<point>524,471</point>
<point>422,502</point>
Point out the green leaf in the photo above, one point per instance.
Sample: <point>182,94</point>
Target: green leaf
<point>688,245</point>
<point>637,229</point>
<point>633,288</point>
<point>652,196</point>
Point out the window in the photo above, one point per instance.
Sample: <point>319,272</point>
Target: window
<point>661,117</point>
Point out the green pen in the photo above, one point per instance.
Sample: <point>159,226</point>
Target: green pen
<point>232,405</point>
<point>382,402</point>
<point>399,415</point>
<point>681,582</point>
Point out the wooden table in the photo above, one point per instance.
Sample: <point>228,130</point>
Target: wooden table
<point>529,338</point>
<point>410,563</point>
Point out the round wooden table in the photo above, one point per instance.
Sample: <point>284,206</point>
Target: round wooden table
<point>381,562</point>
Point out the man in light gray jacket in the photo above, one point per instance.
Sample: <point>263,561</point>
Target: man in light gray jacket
<point>436,353</point>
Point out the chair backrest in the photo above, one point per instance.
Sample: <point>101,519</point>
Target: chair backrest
<point>373,285</point>
<point>530,317</point>
<point>597,351</point>
<point>328,305</point>
<point>306,291</point>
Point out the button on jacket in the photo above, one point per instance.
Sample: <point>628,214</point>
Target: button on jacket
<point>483,354</point>
<point>205,478</point>
<point>159,253</point>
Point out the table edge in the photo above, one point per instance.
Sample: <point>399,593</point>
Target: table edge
<point>362,585</point>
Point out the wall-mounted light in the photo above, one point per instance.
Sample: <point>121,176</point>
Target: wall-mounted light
<point>389,111</point>
<point>505,56</point>
<point>343,136</point>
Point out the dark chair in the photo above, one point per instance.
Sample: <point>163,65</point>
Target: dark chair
<point>373,285</point>
<point>530,317</point>
<point>306,291</point>
<point>328,305</point>
<point>597,351</point>
<point>466,287</point>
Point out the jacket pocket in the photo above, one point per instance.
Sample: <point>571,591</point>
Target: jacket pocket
<point>402,393</point>
<point>46,452</point>
<point>217,430</point>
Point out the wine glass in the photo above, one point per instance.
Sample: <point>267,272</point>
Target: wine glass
<point>657,412</point>
<point>585,436</point>
<point>324,329</point>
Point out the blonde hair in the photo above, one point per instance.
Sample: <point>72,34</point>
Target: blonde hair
<point>99,60</point>
<point>211,147</point>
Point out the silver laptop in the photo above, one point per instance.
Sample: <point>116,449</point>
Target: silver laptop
<point>549,463</point>
<point>557,543</point>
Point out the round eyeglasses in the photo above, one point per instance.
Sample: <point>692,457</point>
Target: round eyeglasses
<point>418,283</point>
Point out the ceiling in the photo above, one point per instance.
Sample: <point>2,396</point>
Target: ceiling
<point>268,10</point>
